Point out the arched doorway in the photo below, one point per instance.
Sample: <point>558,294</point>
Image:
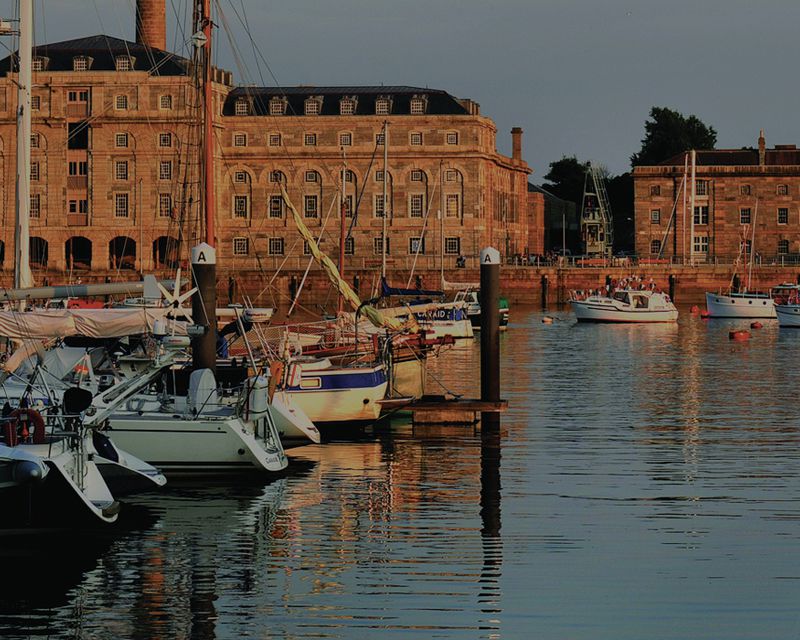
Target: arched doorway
<point>122,253</point>
<point>166,252</point>
<point>78,251</point>
<point>39,252</point>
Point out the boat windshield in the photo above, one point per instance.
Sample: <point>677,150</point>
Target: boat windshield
<point>640,301</point>
<point>622,296</point>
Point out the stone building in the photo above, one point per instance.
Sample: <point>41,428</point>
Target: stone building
<point>115,165</point>
<point>745,199</point>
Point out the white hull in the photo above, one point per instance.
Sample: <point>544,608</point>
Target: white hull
<point>788,315</point>
<point>174,443</point>
<point>290,420</point>
<point>597,309</point>
<point>740,306</point>
<point>441,328</point>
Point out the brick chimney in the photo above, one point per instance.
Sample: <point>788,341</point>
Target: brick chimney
<point>151,23</point>
<point>516,143</point>
<point>762,149</point>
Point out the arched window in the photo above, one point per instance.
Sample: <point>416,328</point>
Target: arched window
<point>122,253</point>
<point>166,251</point>
<point>78,251</point>
<point>38,252</point>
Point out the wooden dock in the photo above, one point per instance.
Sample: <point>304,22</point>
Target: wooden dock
<point>443,410</point>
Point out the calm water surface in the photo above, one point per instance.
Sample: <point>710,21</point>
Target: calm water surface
<point>644,485</point>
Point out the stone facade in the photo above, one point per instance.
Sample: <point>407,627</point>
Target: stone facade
<point>743,198</point>
<point>115,168</point>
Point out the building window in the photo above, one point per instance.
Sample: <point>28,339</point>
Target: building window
<point>120,170</point>
<point>275,246</point>
<point>37,63</point>
<point>745,247</point>
<point>165,102</point>
<point>377,246</point>
<point>655,247</point>
<point>452,205</point>
<point>274,139</point>
<point>349,246</point>
<point>240,177</point>
<point>276,206</point>
<point>241,206</point>
<point>121,140</point>
<point>452,246</point>
<point>744,216</point>
<point>36,205</point>
<point>312,107</point>
<point>379,138</point>
<point>744,190</point>
<point>34,170</point>
<point>310,139</point>
<point>35,140</point>
<point>310,206</point>
<point>77,168</point>
<point>379,175</point>
<point>451,175</point>
<point>123,63</point>
<point>783,246</point>
<point>277,107</point>
<point>416,175</point>
<point>80,63</point>
<point>655,190</point>
<point>701,214</point>
<point>164,139</point>
<point>701,188</point>
<point>241,246</point>
<point>311,176</point>
<point>164,205</point>
<point>655,216</point>
<point>120,103</point>
<point>701,244</point>
<point>417,106</point>
<point>239,139</point>
<point>165,170</point>
<point>783,190</point>
<point>241,108</point>
<point>348,206</point>
<point>416,138</point>
<point>78,206</point>
<point>276,176</point>
<point>452,138</point>
<point>382,107</point>
<point>349,176</point>
<point>36,103</point>
<point>345,139</point>
<point>416,245</point>
<point>416,205</point>
<point>378,208</point>
<point>120,205</point>
<point>783,215</point>
<point>347,106</point>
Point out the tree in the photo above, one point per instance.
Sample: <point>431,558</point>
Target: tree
<point>565,179</point>
<point>668,133</point>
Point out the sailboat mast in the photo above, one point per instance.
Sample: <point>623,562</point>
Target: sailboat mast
<point>22,273</point>
<point>441,226</point>
<point>342,226</point>
<point>208,132</point>
<point>692,207</point>
<point>385,204</point>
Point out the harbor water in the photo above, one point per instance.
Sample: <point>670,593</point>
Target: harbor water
<point>644,484</point>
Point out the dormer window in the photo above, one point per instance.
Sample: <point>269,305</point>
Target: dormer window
<point>81,63</point>
<point>347,106</point>
<point>121,102</point>
<point>277,106</point>
<point>39,63</point>
<point>418,105</point>
<point>383,106</point>
<point>242,108</point>
<point>313,106</point>
<point>123,63</point>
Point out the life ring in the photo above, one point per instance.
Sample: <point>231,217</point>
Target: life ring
<point>24,418</point>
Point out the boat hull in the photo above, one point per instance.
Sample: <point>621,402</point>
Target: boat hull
<point>587,311</point>
<point>788,315</point>
<point>740,306</point>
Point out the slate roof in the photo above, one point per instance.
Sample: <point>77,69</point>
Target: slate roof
<point>103,51</point>
<point>439,102</point>
<point>739,157</point>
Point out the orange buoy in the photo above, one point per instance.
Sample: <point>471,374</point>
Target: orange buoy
<point>694,310</point>
<point>705,314</point>
<point>547,320</point>
<point>739,335</point>
<point>756,325</point>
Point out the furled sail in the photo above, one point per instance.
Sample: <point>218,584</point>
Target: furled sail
<point>91,323</point>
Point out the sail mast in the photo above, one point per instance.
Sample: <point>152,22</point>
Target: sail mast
<point>342,226</point>
<point>22,273</point>
<point>208,132</point>
<point>385,207</point>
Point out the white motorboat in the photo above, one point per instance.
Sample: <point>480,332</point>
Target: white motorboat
<point>787,305</point>
<point>471,299</point>
<point>626,305</point>
<point>740,305</point>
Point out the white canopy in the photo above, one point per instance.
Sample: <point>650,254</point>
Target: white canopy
<point>91,323</point>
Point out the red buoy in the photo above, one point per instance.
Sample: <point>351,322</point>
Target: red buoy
<point>694,310</point>
<point>739,335</point>
<point>705,314</point>
<point>756,325</point>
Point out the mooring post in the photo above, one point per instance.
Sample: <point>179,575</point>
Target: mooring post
<point>672,280</point>
<point>204,306</point>
<point>490,333</point>
<point>545,285</point>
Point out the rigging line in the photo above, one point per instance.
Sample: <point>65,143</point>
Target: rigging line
<point>424,227</point>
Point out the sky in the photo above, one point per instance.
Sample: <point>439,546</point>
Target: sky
<point>579,76</point>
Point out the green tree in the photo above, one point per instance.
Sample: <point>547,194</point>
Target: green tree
<point>668,133</point>
<point>565,179</point>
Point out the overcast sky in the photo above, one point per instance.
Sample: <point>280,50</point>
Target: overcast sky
<point>579,76</point>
